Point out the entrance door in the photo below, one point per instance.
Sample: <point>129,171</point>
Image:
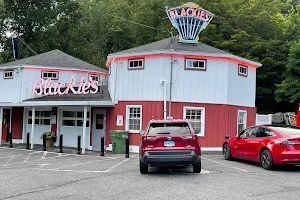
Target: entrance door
<point>99,119</point>
<point>5,123</point>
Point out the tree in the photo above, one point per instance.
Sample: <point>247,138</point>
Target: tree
<point>289,88</point>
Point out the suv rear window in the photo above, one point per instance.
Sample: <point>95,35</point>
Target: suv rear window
<point>168,128</point>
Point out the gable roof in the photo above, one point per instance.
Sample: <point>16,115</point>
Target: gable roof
<point>164,46</point>
<point>55,58</point>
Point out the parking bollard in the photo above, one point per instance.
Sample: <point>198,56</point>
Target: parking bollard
<point>102,146</point>
<point>44,142</point>
<point>27,143</point>
<point>60,143</point>
<point>127,148</point>
<point>7,131</point>
<point>10,140</point>
<point>78,145</point>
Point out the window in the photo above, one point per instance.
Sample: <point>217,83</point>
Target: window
<point>95,78</point>
<point>265,133</point>
<point>136,64</point>
<point>195,64</point>
<point>51,75</point>
<point>195,115</point>
<point>176,128</point>
<point>242,119</point>
<point>74,118</point>
<point>8,74</point>
<point>133,118</point>
<point>243,70</point>
<point>41,117</point>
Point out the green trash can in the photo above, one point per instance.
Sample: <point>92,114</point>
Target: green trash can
<point>118,141</point>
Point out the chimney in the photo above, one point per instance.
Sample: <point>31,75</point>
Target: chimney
<point>17,48</point>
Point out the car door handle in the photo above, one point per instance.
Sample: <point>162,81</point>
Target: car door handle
<point>260,140</point>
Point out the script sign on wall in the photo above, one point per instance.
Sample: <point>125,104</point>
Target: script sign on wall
<point>50,87</point>
<point>189,19</point>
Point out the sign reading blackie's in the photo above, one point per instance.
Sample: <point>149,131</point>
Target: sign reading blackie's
<point>189,19</point>
<point>49,87</point>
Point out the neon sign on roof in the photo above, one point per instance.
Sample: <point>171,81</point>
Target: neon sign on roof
<point>50,87</point>
<point>189,19</point>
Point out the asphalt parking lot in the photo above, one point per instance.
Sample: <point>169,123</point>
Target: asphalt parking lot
<point>48,175</point>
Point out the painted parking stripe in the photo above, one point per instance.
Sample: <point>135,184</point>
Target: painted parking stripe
<point>120,163</point>
<point>84,163</point>
<point>7,162</point>
<point>243,170</point>
<point>69,170</point>
<point>44,155</point>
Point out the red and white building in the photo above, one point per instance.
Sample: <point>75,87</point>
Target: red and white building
<point>210,87</point>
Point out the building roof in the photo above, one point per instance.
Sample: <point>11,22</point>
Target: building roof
<point>164,46</point>
<point>55,58</point>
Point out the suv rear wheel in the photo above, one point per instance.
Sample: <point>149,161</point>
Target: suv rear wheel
<point>143,168</point>
<point>197,167</point>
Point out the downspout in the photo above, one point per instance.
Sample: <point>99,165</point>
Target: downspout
<point>116,74</point>
<point>170,98</point>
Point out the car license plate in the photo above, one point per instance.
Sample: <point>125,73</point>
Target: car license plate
<point>169,143</point>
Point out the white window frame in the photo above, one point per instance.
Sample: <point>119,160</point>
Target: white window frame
<point>139,67</point>
<point>202,117</point>
<point>96,76</point>
<point>50,72</point>
<point>127,117</point>
<point>244,120</point>
<point>39,117</point>
<point>6,74</point>
<point>195,60</point>
<point>88,119</point>
<point>241,73</point>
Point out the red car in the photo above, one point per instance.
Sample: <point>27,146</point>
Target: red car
<point>169,143</point>
<point>269,145</point>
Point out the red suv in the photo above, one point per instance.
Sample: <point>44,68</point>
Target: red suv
<point>169,143</point>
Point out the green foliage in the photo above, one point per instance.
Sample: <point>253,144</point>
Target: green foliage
<point>289,88</point>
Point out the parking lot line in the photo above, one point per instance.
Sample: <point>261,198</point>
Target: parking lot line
<point>243,170</point>
<point>44,155</point>
<point>120,163</point>
<point>69,170</point>
<point>12,157</point>
<point>27,157</point>
<point>84,163</point>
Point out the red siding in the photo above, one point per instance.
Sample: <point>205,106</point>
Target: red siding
<point>219,119</point>
<point>17,122</point>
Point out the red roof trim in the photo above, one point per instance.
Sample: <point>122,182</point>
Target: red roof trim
<point>235,60</point>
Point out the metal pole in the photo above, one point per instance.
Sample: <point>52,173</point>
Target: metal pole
<point>170,100</point>
<point>78,145</point>
<point>60,143</point>
<point>127,148</point>
<point>102,146</point>
<point>10,140</point>
<point>32,127</point>
<point>84,129</point>
<point>27,143</point>
<point>1,122</point>
<point>44,142</point>
<point>7,132</point>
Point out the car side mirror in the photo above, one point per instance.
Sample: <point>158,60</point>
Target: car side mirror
<point>142,132</point>
<point>197,131</point>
